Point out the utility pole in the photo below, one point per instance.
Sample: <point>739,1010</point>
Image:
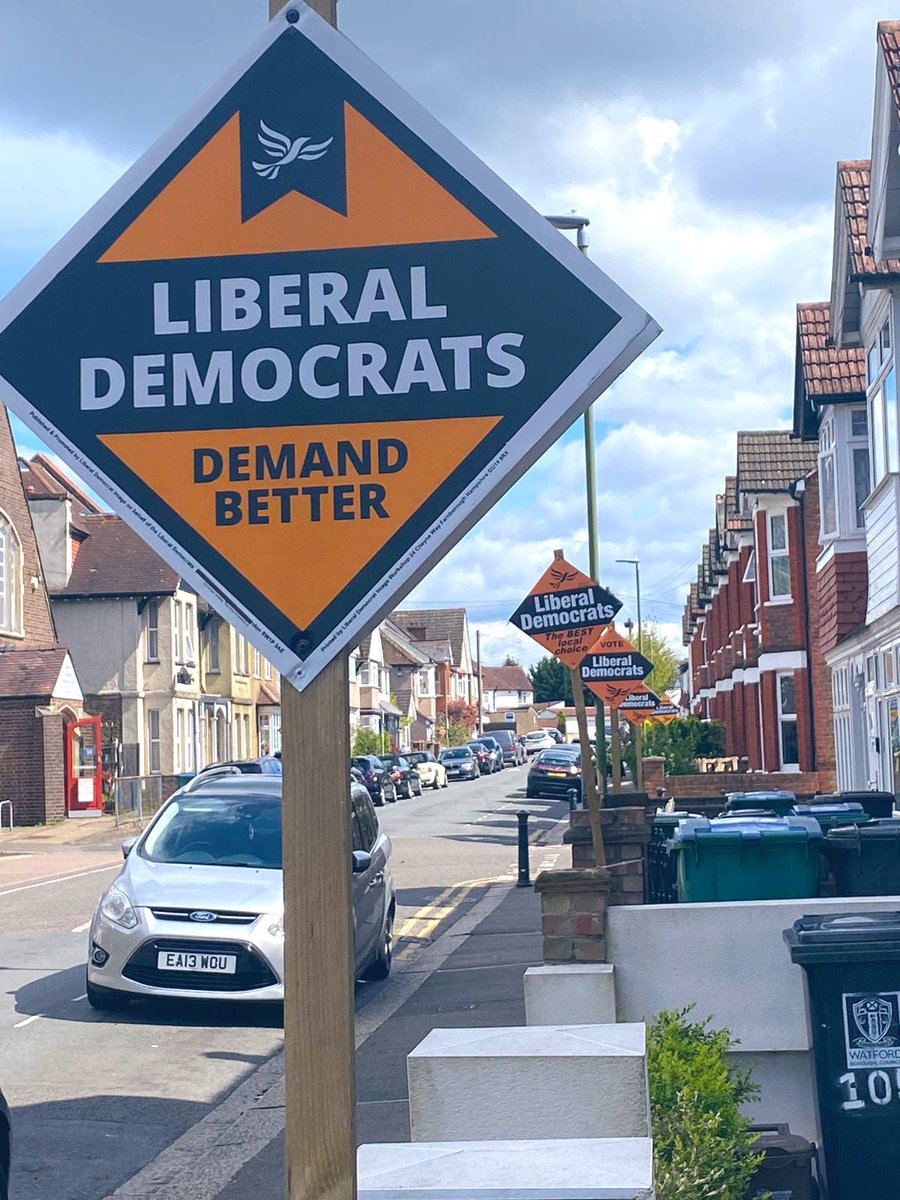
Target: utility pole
<point>639,726</point>
<point>319,1050</point>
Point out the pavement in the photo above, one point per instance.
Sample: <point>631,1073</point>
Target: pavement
<point>173,1101</point>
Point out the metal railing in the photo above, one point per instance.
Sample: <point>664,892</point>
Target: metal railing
<point>138,797</point>
<point>7,804</point>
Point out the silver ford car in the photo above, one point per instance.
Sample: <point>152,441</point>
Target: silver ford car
<point>197,910</point>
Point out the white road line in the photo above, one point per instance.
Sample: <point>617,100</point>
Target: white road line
<point>76,999</point>
<point>26,887</point>
<point>82,928</point>
<point>28,1020</point>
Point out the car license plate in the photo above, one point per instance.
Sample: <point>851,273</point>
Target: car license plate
<point>189,960</point>
<point>557,774</point>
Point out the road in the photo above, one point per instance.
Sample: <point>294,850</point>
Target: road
<point>97,1096</point>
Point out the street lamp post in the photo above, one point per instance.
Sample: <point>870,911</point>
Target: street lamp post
<point>572,222</point>
<point>638,729</point>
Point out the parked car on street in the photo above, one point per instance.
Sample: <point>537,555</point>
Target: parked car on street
<point>553,773</point>
<point>5,1147</point>
<point>376,777</point>
<point>557,736</point>
<point>197,911</point>
<point>460,763</point>
<point>484,758</point>
<point>266,764</point>
<point>404,774</point>
<point>513,753</point>
<point>432,773</point>
<point>496,750</point>
<point>538,739</point>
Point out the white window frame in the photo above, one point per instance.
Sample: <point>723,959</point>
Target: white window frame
<point>151,631</point>
<point>858,444</point>
<point>154,742</point>
<point>828,462</point>
<point>212,640</point>
<point>190,637</point>
<point>178,632</point>
<point>782,552</point>
<point>786,719</point>
<point>12,591</point>
<point>884,425</point>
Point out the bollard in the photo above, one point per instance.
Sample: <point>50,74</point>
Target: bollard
<point>573,799</point>
<point>524,879</point>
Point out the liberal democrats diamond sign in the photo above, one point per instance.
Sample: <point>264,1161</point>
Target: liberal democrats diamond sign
<point>307,341</point>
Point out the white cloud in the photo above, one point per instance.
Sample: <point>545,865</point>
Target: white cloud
<point>50,181</point>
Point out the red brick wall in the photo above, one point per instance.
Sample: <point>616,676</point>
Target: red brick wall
<point>769,708</point>
<point>751,713</point>
<point>714,783</point>
<point>843,588</point>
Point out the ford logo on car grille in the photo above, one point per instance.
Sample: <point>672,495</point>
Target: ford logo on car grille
<point>205,917</point>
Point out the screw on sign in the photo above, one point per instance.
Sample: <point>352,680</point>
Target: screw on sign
<point>566,611</point>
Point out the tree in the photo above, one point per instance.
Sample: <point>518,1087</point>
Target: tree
<point>458,734</point>
<point>511,661</point>
<point>551,681</point>
<point>460,713</point>
<point>666,662</point>
<point>367,741</point>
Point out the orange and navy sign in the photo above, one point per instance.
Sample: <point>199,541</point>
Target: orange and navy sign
<point>666,711</point>
<point>306,341</point>
<point>639,704</point>
<point>612,667</point>
<point>566,611</point>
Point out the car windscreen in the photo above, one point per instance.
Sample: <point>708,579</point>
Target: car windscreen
<point>419,757</point>
<point>461,753</point>
<point>536,735</point>
<point>217,831</point>
<point>557,758</point>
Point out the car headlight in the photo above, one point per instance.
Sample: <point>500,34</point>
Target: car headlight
<point>277,927</point>
<point>116,907</point>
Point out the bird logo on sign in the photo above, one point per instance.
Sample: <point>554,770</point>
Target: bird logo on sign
<point>560,577</point>
<point>283,150</point>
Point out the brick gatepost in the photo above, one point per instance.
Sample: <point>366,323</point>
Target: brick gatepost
<point>626,832</point>
<point>573,914</point>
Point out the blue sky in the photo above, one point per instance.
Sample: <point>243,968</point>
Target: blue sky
<point>700,139</point>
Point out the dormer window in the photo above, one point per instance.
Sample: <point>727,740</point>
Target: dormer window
<point>11,593</point>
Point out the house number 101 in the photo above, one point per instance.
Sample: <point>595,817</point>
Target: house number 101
<point>879,1085</point>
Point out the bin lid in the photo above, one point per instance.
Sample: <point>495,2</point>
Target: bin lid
<point>837,937</point>
<point>883,829</point>
<point>781,1148</point>
<point>737,814</point>
<point>760,797</point>
<point>749,828</point>
<point>830,808</point>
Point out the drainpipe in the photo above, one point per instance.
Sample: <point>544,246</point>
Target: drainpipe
<point>798,491</point>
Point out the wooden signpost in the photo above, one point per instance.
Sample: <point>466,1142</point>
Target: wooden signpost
<point>259,335</point>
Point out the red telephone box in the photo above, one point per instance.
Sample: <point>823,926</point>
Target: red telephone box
<point>84,768</point>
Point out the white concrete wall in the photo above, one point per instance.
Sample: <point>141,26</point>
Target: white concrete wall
<point>730,961</point>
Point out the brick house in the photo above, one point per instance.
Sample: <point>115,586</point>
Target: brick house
<point>859,450</point>
<point>176,687</point>
<point>505,688</point>
<point>754,664</point>
<point>39,690</point>
<point>443,635</point>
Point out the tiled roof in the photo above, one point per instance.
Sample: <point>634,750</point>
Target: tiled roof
<point>440,625</point>
<point>853,183</point>
<point>43,479</point>
<point>397,647</point>
<point>30,672</point>
<point>505,679</point>
<point>439,652</point>
<point>827,372</point>
<point>114,561</point>
<point>772,460</point>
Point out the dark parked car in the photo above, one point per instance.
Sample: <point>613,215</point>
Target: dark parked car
<point>553,773</point>
<point>460,762</point>
<point>404,774</point>
<point>267,764</point>
<point>376,777</point>
<point>496,750</point>
<point>5,1141</point>
<point>513,753</point>
<point>483,757</point>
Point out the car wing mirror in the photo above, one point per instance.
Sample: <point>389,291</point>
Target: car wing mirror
<point>362,860</point>
<point>127,846</point>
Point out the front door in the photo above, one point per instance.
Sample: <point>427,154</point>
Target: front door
<point>84,768</point>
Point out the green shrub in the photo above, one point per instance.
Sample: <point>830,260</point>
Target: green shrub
<point>367,741</point>
<point>701,1139</point>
